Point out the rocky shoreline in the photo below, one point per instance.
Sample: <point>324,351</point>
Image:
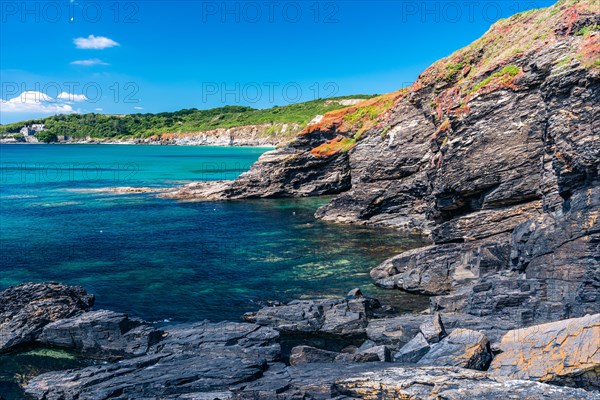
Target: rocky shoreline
<point>275,354</point>
<point>500,166</point>
<point>494,152</point>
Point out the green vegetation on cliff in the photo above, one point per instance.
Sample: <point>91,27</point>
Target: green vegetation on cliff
<point>188,120</point>
<point>496,61</point>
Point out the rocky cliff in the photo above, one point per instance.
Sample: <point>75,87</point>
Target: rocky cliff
<point>494,152</point>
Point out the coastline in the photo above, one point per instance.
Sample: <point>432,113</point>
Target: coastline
<point>136,143</point>
<point>493,153</point>
<point>264,146</point>
<point>265,135</point>
<point>318,349</point>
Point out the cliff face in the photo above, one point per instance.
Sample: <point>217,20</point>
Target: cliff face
<point>494,151</point>
<point>247,135</point>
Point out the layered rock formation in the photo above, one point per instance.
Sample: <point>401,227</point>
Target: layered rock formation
<point>26,309</point>
<point>448,383</point>
<point>101,334</point>
<point>494,152</point>
<point>564,352</point>
<point>230,360</point>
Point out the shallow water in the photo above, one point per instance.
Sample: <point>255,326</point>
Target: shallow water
<point>168,261</point>
<point>164,260</point>
<point>15,369</point>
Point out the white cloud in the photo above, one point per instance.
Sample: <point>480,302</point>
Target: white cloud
<point>35,102</point>
<point>72,97</point>
<point>31,97</point>
<point>98,109</point>
<point>94,42</point>
<point>138,108</point>
<point>89,63</point>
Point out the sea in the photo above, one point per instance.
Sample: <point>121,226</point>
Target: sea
<point>167,260</point>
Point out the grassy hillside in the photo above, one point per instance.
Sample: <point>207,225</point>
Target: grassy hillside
<point>188,120</point>
<point>496,61</point>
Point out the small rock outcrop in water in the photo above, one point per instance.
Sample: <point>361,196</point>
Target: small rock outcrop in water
<point>230,360</point>
<point>26,309</point>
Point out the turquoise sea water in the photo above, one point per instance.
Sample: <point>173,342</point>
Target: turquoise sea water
<point>164,260</point>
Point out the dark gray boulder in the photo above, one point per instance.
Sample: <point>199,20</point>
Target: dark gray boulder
<point>308,354</point>
<point>462,348</point>
<point>433,331</point>
<point>27,308</point>
<point>396,331</point>
<point>413,351</point>
<point>382,352</point>
<point>343,318</point>
<point>101,334</point>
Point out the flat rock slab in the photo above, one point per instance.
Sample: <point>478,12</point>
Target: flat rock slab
<point>308,354</point>
<point>188,377</point>
<point>153,376</point>
<point>449,383</point>
<point>27,308</point>
<point>564,352</point>
<point>191,358</point>
<point>249,339</point>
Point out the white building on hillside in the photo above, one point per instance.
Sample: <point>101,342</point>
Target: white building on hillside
<point>33,129</point>
<point>29,132</point>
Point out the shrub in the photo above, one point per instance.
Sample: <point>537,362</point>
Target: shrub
<point>587,29</point>
<point>334,146</point>
<point>504,76</point>
<point>46,137</point>
<point>453,70</point>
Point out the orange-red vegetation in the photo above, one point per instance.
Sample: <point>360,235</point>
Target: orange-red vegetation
<point>570,16</point>
<point>361,116</point>
<point>493,62</point>
<point>589,50</point>
<point>333,146</point>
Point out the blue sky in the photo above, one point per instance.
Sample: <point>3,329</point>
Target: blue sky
<point>151,56</point>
